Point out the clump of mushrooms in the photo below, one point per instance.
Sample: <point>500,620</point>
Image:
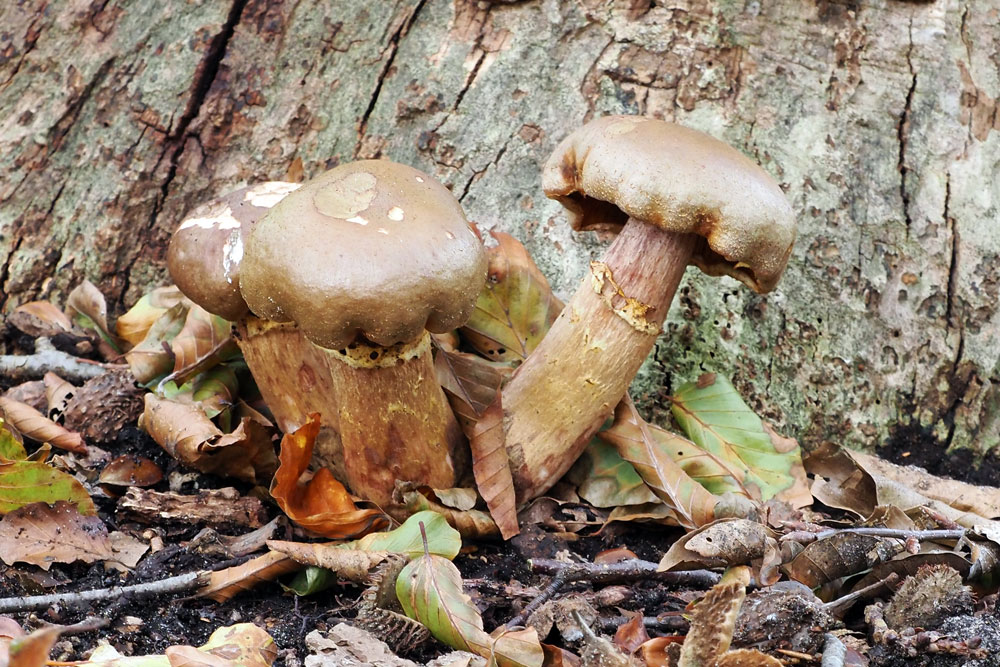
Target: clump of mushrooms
<point>366,260</point>
<point>676,197</point>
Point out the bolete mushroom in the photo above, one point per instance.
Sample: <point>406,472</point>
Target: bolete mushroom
<point>676,197</point>
<point>204,259</point>
<point>366,259</point>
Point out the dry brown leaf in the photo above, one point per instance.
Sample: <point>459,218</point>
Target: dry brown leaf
<point>188,435</point>
<point>725,543</point>
<point>33,650</point>
<point>131,470</point>
<point>470,382</point>
<point>631,634</point>
<point>33,424</point>
<point>471,524</point>
<point>202,342</point>
<point>87,308</point>
<point>491,468</point>
<point>57,393</point>
<point>351,564</point>
<point>745,657</point>
<point>40,319</point>
<point>322,504</point>
<point>691,503</point>
<point>225,584</point>
<point>135,324</point>
<point>128,550</point>
<point>43,534</point>
<point>839,555</point>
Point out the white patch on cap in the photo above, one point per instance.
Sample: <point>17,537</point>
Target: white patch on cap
<point>358,220</point>
<point>223,221</point>
<point>449,235</point>
<point>395,213</point>
<point>419,180</point>
<point>270,193</point>
<point>232,255</point>
<point>382,230</point>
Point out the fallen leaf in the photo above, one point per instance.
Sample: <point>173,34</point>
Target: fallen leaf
<point>242,644</point>
<point>322,504</point>
<point>135,324</point>
<point>712,413</point>
<point>840,555</point>
<point>26,482</point>
<point>87,308</point>
<point>605,479</point>
<point>441,538</point>
<point>471,524</point>
<point>40,319</point>
<point>726,543</point>
<point>631,634</point>
<point>691,503</point>
<point>33,650</point>
<point>128,550</point>
<point>350,564</point>
<point>470,382</point>
<point>32,423</point>
<point>516,307</point>
<point>188,435</point>
<point>57,393</point>
<point>491,468</point>
<point>203,341</point>
<point>41,535</point>
<point>11,448</point>
<point>152,357</point>
<point>430,590</point>
<point>227,583</point>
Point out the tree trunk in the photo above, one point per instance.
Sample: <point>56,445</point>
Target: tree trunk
<point>878,118</point>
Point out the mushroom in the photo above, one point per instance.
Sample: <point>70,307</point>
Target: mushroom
<point>366,259</point>
<point>204,259</point>
<point>674,196</point>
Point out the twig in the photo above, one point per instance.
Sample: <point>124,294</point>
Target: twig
<point>183,582</point>
<point>840,606</point>
<point>834,652</point>
<point>661,623</point>
<point>626,570</point>
<point>20,368</point>
<point>557,582</point>
<point>897,533</point>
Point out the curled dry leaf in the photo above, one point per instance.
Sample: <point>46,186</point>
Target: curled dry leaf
<point>714,416</point>
<point>57,393</point>
<point>41,535</point>
<point>203,341</point>
<point>152,357</point>
<point>636,442</point>
<point>712,623</point>
<point>135,324</point>
<point>40,319</point>
<point>470,382</point>
<point>491,468</point>
<point>839,555</point>
<point>515,308</point>
<point>33,424</point>
<point>349,564</point>
<point>471,524</point>
<point>33,650</point>
<point>322,504</point>
<point>243,644</point>
<point>631,634</point>
<point>227,583</point>
<point>188,435</point>
<point>726,543</point>
<point>87,308</point>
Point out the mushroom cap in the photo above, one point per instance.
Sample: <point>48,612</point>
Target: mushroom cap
<point>679,180</point>
<point>370,249</point>
<point>205,252</point>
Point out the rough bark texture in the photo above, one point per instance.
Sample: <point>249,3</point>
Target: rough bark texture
<point>879,118</point>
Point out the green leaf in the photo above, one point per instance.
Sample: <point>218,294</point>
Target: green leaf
<point>26,482</point>
<point>714,416</point>
<point>151,359</point>
<point>516,307</point>
<point>605,479</point>
<point>311,580</point>
<point>442,539</point>
<point>11,448</point>
<point>430,591</point>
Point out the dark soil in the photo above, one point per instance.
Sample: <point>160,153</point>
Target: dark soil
<point>915,446</point>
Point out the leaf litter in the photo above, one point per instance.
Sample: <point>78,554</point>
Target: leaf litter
<point>778,525</point>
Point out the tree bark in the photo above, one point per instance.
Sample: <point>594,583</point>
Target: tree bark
<point>879,119</point>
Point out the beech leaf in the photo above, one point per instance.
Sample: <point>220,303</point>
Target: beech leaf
<point>152,357</point>
<point>32,423</point>
<point>516,307</point>
<point>88,309</point>
<point>634,439</point>
<point>41,535</point>
<point>203,341</point>
<point>605,479</point>
<point>470,383</point>
<point>322,504</point>
<point>714,416</point>
<point>227,583</point>
<point>11,449</point>
<point>471,524</point>
<point>26,482</point>
<point>40,319</point>
<point>135,324</point>
<point>442,539</point>
<point>430,590</point>
<point>491,468</point>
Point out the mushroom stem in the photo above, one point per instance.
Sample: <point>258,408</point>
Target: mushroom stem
<point>571,382</point>
<point>394,419</point>
<point>294,381</point>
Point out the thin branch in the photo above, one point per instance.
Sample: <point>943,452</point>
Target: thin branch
<point>626,570</point>
<point>920,535</point>
<point>178,584</point>
<point>20,368</point>
<point>557,582</point>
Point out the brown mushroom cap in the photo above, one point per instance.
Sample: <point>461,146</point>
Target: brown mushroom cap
<point>680,180</point>
<point>206,250</point>
<point>369,249</point>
